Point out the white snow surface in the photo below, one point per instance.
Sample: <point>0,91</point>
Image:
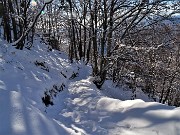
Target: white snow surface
<point>80,109</point>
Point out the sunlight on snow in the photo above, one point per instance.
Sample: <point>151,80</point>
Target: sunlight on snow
<point>169,113</point>
<point>113,105</point>
<point>79,129</point>
<point>69,130</point>
<point>2,85</point>
<point>35,123</point>
<point>35,76</point>
<point>18,124</point>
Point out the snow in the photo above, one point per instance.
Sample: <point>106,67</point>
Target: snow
<point>110,90</point>
<point>80,109</point>
<point>47,1</point>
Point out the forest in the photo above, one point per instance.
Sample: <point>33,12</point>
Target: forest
<point>134,43</point>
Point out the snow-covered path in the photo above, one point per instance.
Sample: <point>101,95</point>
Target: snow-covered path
<point>89,112</point>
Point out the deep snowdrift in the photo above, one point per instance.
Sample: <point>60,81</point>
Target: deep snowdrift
<point>79,109</point>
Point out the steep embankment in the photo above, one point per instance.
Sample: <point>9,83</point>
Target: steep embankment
<point>25,76</point>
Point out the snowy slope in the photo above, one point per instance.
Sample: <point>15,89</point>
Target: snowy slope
<point>80,109</point>
<point>22,85</point>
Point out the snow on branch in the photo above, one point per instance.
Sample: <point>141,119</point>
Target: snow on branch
<point>25,32</point>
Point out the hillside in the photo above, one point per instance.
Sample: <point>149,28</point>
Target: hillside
<point>79,108</point>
